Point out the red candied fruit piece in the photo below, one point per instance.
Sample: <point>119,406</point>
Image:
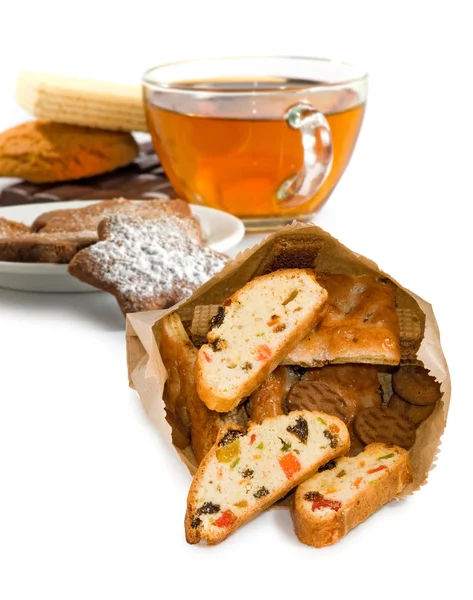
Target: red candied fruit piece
<point>326,503</point>
<point>380,468</point>
<point>225,519</point>
<point>252,439</point>
<point>290,464</point>
<point>207,357</point>
<point>263,352</point>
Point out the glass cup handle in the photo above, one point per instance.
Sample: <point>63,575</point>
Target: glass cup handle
<point>318,154</point>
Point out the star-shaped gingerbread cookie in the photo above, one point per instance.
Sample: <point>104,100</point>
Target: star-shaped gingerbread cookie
<point>147,264</point>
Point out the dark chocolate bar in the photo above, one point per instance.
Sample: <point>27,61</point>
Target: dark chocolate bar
<point>142,179</point>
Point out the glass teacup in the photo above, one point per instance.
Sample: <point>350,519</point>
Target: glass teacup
<point>266,139</point>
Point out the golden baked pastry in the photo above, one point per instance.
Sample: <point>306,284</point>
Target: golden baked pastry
<point>359,326</point>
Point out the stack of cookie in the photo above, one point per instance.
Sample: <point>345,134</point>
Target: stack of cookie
<point>83,131</point>
<point>149,254</point>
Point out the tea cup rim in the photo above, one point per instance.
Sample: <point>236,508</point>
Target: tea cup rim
<point>156,84</point>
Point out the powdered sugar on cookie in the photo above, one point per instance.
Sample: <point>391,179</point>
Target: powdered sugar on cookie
<point>148,264</point>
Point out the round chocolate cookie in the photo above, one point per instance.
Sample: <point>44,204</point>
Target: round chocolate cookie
<point>415,413</point>
<point>380,424</point>
<point>416,386</point>
<point>315,395</point>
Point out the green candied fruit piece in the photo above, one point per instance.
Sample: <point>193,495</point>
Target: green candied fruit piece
<point>234,463</point>
<point>386,456</point>
<point>286,446</point>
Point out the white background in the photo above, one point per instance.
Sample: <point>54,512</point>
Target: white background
<point>92,499</point>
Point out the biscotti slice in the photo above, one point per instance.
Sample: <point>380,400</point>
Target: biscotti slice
<point>330,504</point>
<point>253,330</point>
<point>245,472</point>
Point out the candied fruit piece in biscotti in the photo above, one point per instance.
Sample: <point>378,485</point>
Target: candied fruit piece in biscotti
<point>253,330</point>
<point>331,503</point>
<point>247,471</point>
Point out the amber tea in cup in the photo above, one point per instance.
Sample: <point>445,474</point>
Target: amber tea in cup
<point>266,139</point>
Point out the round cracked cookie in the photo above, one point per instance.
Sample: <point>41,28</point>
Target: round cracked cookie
<point>44,152</point>
<point>380,424</point>
<point>415,413</point>
<point>316,395</point>
<point>415,385</point>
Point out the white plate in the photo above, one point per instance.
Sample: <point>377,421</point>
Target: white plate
<point>221,230</point>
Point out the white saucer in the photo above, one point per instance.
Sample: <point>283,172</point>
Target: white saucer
<point>221,230</point>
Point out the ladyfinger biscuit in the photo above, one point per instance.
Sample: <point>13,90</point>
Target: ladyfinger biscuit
<point>85,102</point>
